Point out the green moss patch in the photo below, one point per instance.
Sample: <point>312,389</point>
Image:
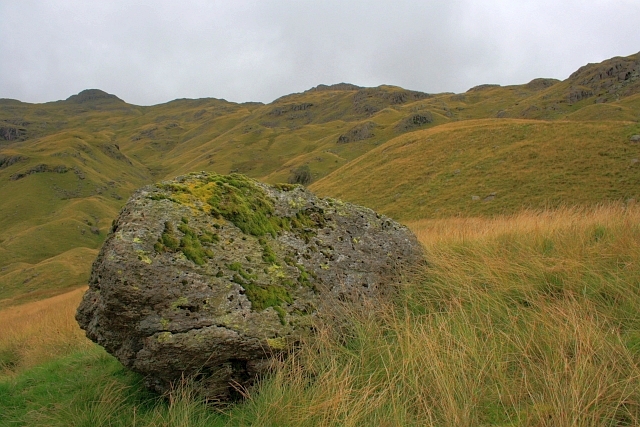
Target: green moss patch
<point>286,187</point>
<point>237,267</point>
<point>168,240</point>
<point>263,297</point>
<point>190,244</point>
<point>237,199</point>
<point>268,255</point>
<point>305,276</point>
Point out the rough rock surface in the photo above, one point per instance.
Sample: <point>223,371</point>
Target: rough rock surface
<point>212,275</point>
<point>610,80</point>
<point>415,121</point>
<point>358,133</point>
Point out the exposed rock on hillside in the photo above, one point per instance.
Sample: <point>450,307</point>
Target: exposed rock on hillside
<point>10,133</point>
<point>212,275</point>
<point>610,79</point>
<point>335,87</point>
<point>113,151</point>
<point>282,109</point>
<point>415,121</point>
<point>41,168</point>
<point>578,94</point>
<point>358,133</point>
<point>371,100</point>
<point>6,161</point>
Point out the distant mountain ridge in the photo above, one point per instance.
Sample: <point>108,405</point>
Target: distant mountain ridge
<point>66,167</point>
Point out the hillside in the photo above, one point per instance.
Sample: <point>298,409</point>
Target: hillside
<point>489,166</point>
<point>66,167</point>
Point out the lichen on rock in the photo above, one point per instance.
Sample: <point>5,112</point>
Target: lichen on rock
<point>213,275</point>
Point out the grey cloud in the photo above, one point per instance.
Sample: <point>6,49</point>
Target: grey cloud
<point>148,52</point>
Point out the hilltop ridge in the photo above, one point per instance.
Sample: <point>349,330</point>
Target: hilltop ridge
<point>92,95</point>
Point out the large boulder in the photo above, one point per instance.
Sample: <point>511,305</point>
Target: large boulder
<point>210,276</point>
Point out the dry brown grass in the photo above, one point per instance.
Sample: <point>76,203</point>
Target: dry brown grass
<point>39,331</point>
<point>523,320</point>
<point>439,231</point>
<point>528,320</point>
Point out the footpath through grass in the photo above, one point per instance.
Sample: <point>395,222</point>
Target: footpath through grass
<point>526,320</point>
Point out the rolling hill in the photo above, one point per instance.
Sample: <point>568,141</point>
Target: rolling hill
<point>66,167</point>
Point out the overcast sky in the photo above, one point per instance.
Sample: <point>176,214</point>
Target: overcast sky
<point>150,52</point>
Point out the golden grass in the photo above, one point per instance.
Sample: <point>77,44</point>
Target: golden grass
<point>40,331</point>
<point>490,167</point>
<point>528,319</point>
<point>439,231</point>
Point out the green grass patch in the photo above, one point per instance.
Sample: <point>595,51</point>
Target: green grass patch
<point>263,297</point>
<point>93,389</point>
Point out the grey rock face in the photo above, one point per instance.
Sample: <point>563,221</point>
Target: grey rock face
<point>415,121</point>
<point>578,94</point>
<point>211,276</point>
<point>11,133</point>
<point>6,161</point>
<point>358,133</point>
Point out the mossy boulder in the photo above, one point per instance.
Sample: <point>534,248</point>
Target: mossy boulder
<point>211,276</point>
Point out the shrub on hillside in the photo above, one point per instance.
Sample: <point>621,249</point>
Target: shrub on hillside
<point>300,175</point>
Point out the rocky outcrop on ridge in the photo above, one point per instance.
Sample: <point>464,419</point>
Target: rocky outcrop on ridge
<point>610,80</point>
<point>92,95</point>
<point>210,276</point>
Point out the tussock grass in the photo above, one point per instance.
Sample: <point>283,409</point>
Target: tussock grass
<point>39,331</point>
<point>529,319</point>
<point>536,223</point>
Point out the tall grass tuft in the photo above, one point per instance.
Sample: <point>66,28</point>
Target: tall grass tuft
<point>33,333</point>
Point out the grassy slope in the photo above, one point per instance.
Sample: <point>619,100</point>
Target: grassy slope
<point>51,220</point>
<point>52,223</point>
<point>437,172</point>
<point>521,320</point>
<point>110,148</point>
<point>528,319</point>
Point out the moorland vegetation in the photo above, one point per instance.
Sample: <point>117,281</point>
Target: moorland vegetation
<point>524,198</point>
